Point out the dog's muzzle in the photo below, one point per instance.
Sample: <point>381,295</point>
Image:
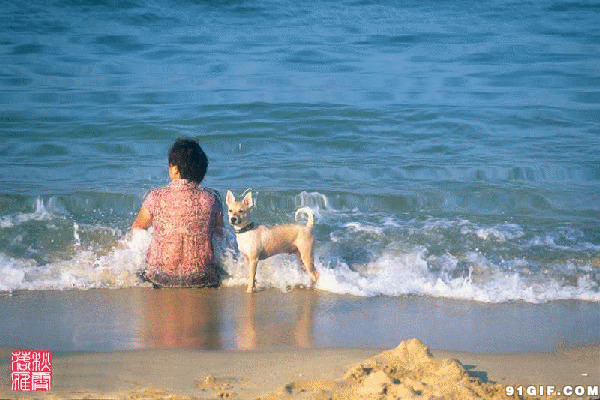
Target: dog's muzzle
<point>235,220</point>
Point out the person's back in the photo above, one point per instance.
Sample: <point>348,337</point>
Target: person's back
<point>185,216</point>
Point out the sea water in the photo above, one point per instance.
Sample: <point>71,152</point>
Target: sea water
<point>447,148</point>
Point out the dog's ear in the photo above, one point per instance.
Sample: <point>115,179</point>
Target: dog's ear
<point>230,198</point>
<point>248,202</point>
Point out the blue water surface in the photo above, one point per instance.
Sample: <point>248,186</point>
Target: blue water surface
<point>445,142</point>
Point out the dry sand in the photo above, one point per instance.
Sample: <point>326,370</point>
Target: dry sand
<point>409,371</point>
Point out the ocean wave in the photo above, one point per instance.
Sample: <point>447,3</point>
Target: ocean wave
<point>39,214</point>
<point>358,253</point>
<point>117,267</point>
<point>409,274</point>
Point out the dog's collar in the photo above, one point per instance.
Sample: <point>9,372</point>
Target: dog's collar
<point>246,228</point>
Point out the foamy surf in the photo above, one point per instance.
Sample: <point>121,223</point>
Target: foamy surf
<point>357,253</point>
<point>409,274</point>
<point>87,269</point>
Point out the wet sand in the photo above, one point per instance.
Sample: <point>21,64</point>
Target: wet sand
<point>229,319</point>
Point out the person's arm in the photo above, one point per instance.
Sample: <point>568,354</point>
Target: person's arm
<point>143,220</point>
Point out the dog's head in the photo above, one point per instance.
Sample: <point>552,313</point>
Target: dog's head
<point>237,211</point>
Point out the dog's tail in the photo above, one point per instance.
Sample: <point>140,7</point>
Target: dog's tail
<point>311,219</point>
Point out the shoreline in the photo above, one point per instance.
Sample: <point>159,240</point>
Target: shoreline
<point>227,319</point>
<point>161,373</point>
<point>141,343</point>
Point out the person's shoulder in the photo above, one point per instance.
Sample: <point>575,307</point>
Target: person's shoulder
<point>158,192</point>
<point>153,196</point>
<point>160,189</point>
<point>213,193</point>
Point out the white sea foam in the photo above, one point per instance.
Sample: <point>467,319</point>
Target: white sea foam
<point>391,274</point>
<point>563,240</point>
<point>408,274</point>
<point>315,200</point>
<point>40,214</point>
<point>367,228</point>
<point>395,274</point>
<point>87,269</point>
<point>357,254</point>
<point>501,233</point>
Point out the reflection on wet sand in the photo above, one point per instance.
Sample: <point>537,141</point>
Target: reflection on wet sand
<point>203,318</point>
<point>181,318</point>
<point>229,319</point>
<point>278,322</point>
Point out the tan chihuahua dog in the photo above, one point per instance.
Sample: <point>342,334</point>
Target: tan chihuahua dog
<point>257,242</point>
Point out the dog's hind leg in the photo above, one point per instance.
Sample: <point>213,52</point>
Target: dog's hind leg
<point>252,262</point>
<point>307,258</point>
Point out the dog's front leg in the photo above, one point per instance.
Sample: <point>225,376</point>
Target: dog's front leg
<point>252,262</point>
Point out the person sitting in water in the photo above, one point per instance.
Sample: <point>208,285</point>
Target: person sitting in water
<point>185,217</point>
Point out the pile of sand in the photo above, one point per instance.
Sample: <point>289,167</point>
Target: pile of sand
<point>407,372</point>
<point>140,394</point>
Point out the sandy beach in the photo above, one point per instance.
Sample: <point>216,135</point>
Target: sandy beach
<point>209,344</point>
<point>408,371</point>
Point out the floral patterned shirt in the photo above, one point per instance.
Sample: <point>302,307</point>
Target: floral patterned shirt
<point>185,216</point>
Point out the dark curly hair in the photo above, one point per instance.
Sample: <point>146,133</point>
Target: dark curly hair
<point>190,159</point>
